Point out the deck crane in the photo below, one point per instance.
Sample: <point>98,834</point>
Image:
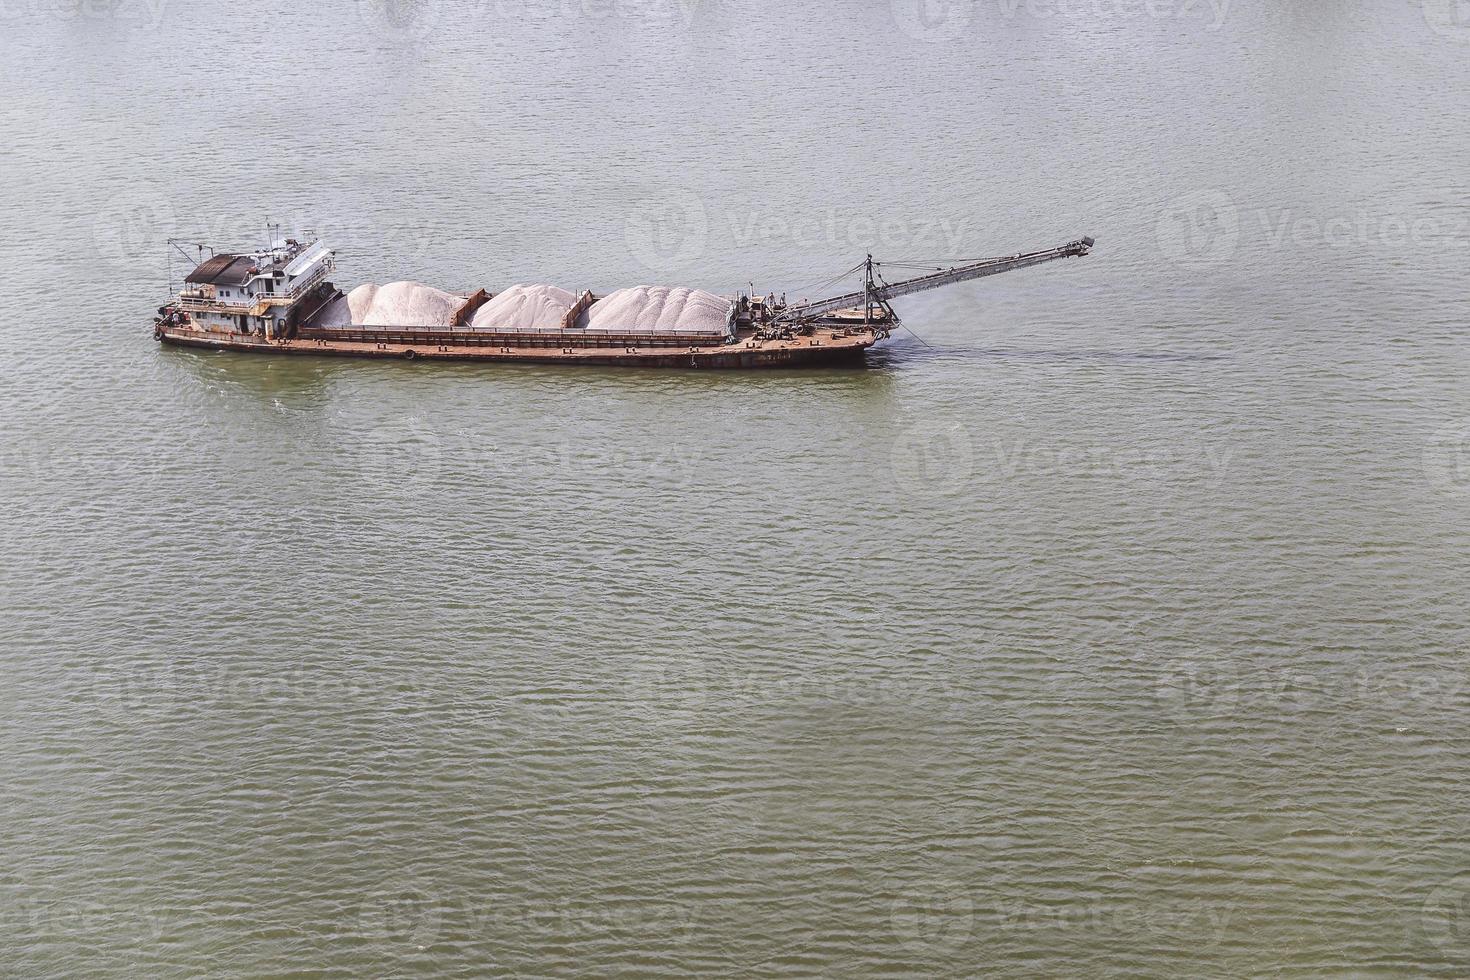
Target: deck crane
<point>873,298</point>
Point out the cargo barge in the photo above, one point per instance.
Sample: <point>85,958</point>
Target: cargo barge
<point>279,300</point>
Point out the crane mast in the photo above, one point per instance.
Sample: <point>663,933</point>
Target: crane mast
<point>876,293</point>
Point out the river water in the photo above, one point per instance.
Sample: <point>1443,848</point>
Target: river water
<point>1112,620</point>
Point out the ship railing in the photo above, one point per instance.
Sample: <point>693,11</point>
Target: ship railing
<point>295,292</point>
<point>308,284</point>
<point>198,305</point>
<point>253,305</point>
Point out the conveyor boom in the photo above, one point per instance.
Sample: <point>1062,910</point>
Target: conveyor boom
<point>883,292</point>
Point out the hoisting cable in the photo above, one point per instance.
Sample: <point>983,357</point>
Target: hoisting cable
<point>894,317</point>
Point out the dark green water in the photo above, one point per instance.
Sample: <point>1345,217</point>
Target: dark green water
<point>1116,626</point>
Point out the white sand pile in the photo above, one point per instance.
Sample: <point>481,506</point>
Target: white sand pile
<point>398,304</point>
<point>524,307</point>
<point>360,301</point>
<point>641,309</point>
<point>407,304</point>
<point>659,309</point>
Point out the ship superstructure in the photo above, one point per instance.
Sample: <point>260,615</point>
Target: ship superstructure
<point>261,294</point>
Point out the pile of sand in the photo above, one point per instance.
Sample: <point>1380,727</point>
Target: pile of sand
<point>659,309</point>
<point>641,309</point>
<point>360,302</point>
<point>522,307</point>
<point>403,304</point>
<point>398,304</point>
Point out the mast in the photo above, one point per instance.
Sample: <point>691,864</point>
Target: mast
<point>868,290</point>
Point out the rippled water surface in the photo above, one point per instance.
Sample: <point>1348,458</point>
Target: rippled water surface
<point>1112,621</point>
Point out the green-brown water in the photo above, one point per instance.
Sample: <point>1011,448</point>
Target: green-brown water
<point>1117,626</point>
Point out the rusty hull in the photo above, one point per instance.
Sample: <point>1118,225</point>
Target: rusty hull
<point>822,346</point>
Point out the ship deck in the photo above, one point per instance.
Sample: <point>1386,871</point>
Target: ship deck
<point>824,345</point>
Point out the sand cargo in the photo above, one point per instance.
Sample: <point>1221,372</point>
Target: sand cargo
<point>279,300</point>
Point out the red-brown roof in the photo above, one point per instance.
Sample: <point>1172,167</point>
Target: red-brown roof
<point>223,270</point>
